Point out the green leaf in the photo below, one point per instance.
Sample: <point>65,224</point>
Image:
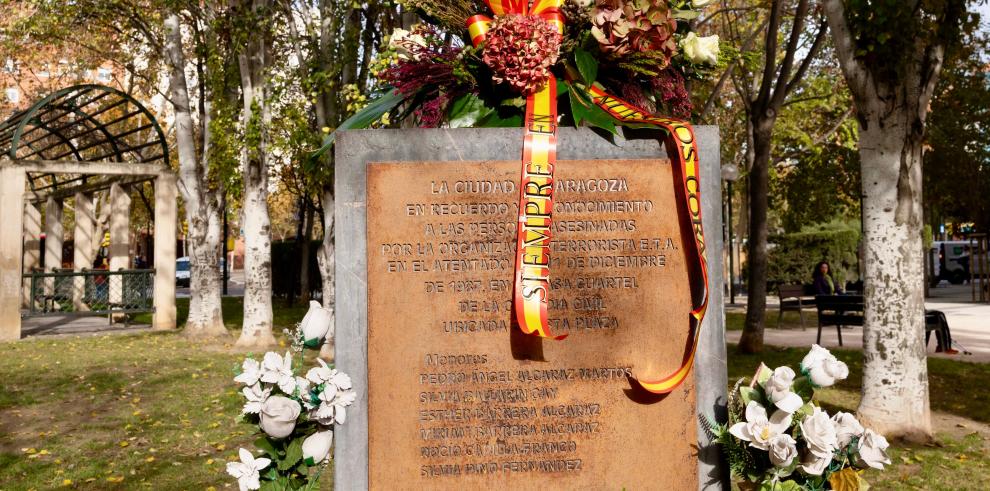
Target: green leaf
<point>587,65</point>
<point>494,120</point>
<point>685,14</point>
<point>763,374</point>
<point>583,110</point>
<point>293,454</point>
<point>312,483</point>
<point>748,395</point>
<point>802,387</point>
<point>362,119</point>
<point>264,444</point>
<point>804,411</point>
<point>467,110</point>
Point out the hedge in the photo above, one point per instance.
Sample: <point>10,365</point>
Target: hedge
<point>793,257</point>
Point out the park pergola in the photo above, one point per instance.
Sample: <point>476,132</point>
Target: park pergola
<point>74,143</point>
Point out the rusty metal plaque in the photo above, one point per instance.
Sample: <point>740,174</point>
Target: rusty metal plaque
<point>458,398</point>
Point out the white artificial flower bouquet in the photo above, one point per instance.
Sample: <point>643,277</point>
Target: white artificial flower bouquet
<point>295,414</point>
<point>777,438</point>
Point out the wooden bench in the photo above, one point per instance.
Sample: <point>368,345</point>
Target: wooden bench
<point>838,311</point>
<point>793,298</point>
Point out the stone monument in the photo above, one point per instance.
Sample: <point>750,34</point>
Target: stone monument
<point>451,394</point>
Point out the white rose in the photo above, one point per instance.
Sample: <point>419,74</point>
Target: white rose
<point>813,464</point>
<point>778,388</point>
<point>316,447</point>
<point>316,324</point>
<point>873,450</point>
<point>701,3</point>
<point>398,34</point>
<point>823,368</point>
<point>758,430</point>
<point>846,428</point>
<point>701,50</point>
<point>278,416</point>
<point>819,432</point>
<point>402,40</point>
<point>783,450</point>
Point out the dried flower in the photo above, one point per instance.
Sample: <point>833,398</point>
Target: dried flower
<point>630,26</point>
<point>577,12</point>
<point>672,94</point>
<point>520,51</point>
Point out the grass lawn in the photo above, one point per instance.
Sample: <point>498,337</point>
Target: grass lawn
<point>734,321</point>
<point>155,411</point>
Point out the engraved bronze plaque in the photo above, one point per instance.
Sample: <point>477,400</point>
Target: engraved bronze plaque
<point>458,398</point>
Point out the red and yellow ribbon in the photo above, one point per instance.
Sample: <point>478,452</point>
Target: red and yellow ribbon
<point>680,142</point>
<point>532,272</point>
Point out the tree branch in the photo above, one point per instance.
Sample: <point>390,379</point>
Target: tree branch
<point>717,91</point>
<point>770,53</point>
<point>783,78</point>
<point>856,73</point>
<point>816,47</point>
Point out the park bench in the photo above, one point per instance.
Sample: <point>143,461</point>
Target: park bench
<point>838,311</point>
<point>793,298</point>
<point>847,310</point>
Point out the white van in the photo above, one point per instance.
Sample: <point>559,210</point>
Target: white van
<point>182,271</point>
<point>951,261</point>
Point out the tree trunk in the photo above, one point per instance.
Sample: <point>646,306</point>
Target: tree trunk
<point>326,259</point>
<point>205,277</point>
<point>892,113</point>
<point>253,61</point>
<point>895,376</point>
<point>205,314</point>
<point>257,261</point>
<point>751,340</point>
<point>307,237</point>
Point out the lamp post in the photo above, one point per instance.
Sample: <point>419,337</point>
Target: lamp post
<point>730,174</point>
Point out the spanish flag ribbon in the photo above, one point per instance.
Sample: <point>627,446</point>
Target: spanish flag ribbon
<point>681,143</point>
<point>532,271</point>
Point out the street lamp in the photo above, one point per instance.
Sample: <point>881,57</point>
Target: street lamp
<point>730,174</point>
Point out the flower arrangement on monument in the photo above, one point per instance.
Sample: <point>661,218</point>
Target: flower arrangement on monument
<point>295,414</point>
<point>440,74</point>
<point>777,438</point>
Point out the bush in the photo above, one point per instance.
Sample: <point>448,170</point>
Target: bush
<point>793,257</point>
<point>286,263</point>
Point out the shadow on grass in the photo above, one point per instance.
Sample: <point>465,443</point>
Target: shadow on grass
<point>284,316</point>
<point>734,321</point>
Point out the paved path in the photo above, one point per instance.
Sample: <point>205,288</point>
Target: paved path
<point>968,321</point>
<point>57,325</point>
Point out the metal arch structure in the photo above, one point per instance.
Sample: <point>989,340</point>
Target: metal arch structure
<point>82,123</point>
<point>71,144</point>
